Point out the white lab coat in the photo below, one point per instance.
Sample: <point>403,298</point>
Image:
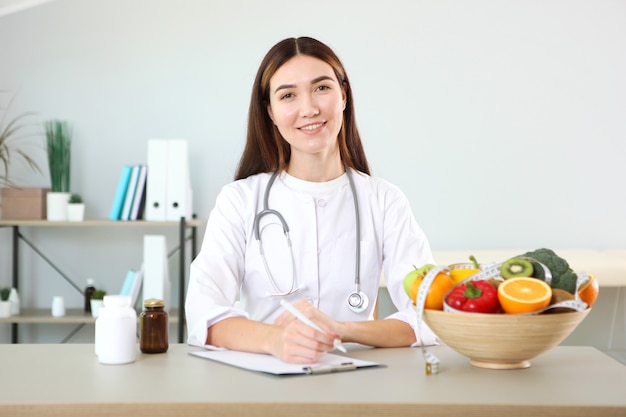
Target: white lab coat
<point>228,277</point>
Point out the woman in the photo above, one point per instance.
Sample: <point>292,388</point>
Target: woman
<point>304,176</point>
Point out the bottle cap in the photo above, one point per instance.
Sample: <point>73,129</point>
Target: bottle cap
<point>117,300</point>
<point>153,302</point>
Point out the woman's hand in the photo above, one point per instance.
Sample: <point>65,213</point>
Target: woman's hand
<point>300,343</point>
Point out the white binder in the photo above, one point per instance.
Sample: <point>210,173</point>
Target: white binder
<point>168,195</point>
<point>156,183</point>
<point>178,193</point>
<point>156,282</point>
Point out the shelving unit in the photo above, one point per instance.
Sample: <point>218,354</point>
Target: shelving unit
<point>72,316</point>
<point>187,232</point>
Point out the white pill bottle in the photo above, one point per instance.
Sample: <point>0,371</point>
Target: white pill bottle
<point>116,331</point>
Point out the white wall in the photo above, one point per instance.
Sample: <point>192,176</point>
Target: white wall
<point>503,121</point>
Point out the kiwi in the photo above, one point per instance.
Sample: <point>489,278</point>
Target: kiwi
<point>516,267</point>
<point>495,282</point>
<point>559,295</point>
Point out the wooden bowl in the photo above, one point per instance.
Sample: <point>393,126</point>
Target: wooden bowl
<point>502,341</point>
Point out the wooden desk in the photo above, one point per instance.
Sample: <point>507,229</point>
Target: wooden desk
<point>67,380</point>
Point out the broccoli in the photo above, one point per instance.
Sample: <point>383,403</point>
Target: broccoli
<point>562,275</point>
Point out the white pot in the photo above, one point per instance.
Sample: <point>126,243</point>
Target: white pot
<point>95,307</point>
<point>58,306</point>
<point>76,212</point>
<point>14,299</point>
<point>5,309</point>
<point>56,206</point>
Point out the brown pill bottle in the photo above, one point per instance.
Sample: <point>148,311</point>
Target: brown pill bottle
<point>153,327</point>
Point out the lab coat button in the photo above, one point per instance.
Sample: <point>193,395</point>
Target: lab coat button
<point>321,203</point>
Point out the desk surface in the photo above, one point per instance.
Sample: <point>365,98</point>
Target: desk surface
<point>67,380</point>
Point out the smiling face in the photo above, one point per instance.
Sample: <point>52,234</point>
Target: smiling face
<point>306,105</point>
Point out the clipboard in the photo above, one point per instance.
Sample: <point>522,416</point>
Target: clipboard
<point>270,364</point>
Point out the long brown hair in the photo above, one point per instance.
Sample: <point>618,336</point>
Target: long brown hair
<point>265,149</point>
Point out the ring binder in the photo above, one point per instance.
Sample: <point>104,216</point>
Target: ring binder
<point>168,188</point>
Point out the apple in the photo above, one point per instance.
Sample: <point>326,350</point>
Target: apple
<point>415,274</point>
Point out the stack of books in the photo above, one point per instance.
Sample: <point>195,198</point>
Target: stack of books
<point>130,196</point>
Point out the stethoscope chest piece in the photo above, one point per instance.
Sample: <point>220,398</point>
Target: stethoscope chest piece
<point>358,301</point>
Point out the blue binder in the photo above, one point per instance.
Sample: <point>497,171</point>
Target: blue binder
<point>120,194</point>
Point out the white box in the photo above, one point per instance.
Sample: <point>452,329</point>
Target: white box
<point>156,282</point>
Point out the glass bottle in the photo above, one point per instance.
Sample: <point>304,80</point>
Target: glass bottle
<point>89,290</point>
<point>153,324</point>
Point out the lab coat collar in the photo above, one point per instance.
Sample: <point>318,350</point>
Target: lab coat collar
<point>313,188</point>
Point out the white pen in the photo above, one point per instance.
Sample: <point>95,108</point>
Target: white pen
<point>303,319</point>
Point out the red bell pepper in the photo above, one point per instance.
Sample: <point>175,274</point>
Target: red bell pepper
<point>474,296</point>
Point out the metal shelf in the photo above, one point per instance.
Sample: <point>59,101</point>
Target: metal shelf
<point>72,316</point>
<point>100,222</point>
<point>78,316</point>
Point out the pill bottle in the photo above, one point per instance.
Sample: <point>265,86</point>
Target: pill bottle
<point>153,325</point>
<point>116,331</point>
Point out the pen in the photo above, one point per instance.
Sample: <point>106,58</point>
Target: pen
<point>303,319</point>
<point>347,366</point>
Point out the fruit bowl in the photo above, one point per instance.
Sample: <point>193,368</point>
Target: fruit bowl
<point>502,341</point>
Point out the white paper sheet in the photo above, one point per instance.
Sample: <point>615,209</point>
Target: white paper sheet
<point>272,365</point>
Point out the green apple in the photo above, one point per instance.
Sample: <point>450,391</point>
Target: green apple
<point>413,275</point>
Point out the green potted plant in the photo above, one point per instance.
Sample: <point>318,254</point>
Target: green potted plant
<point>75,208</point>
<point>16,142</point>
<point>13,134</point>
<point>5,304</point>
<point>59,144</point>
<point>97,300</point>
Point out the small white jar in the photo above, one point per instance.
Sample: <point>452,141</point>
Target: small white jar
<point>116,331</point>
<point>58,306</point>
<point>14,298</point>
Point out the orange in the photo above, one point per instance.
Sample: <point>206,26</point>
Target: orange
<point>523,295</point>
<point>436,293</point>
<point>588,292</point>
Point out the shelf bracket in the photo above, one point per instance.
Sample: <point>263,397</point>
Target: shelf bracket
<point>49,262</point>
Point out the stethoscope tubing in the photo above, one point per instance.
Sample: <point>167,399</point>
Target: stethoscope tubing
<point>361,302</point>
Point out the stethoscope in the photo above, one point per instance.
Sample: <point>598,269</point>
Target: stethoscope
<point>357,300</point>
